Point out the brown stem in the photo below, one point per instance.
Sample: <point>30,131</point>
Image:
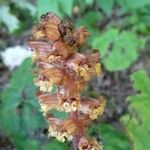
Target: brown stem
<point>80,133</point>
<point>75,141</point>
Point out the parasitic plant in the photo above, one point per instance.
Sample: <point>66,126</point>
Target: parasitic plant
<point>55,45</point>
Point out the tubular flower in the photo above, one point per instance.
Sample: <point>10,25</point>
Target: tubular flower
<point>55,44</point>
<point>92,107</point>
<point>65,129</point>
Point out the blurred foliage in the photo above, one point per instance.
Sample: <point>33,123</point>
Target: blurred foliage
<point>106,6</point>
<point>138,119</point>
<point>119,29</point>
<point>17,14</point>
<point>111,138</point>
<point>20,117</point>
<point>12,22</point>
<point>128,5</point>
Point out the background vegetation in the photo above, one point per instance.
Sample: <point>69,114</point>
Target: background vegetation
<point>120,29</point>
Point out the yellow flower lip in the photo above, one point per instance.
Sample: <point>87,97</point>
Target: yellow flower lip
<point>44,86</point>
<point>70,107</point>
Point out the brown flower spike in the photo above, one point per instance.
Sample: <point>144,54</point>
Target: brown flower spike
<point>55,44</point>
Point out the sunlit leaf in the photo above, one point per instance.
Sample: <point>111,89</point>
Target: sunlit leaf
<point>138,120</point>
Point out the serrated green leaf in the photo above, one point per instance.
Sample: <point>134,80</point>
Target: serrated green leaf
<point>106,5</point>
<point>111,138</point>
<point>141,81</point>
<point>118,50</point>
<point>10,20</point>
<point>137,123</point>
<point>19,108</point>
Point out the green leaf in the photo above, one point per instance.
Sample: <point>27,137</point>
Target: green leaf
<point>19,109</point>
<point>118,50</point>
<point>141,81</point>
<point>66,7</point>
<point>138,120</point>
<point>55,145</point>
<point>10,20</point>
<point>111,138</point>
<point>46,6</point>
<point>60,7</point>
<point>106,5</point>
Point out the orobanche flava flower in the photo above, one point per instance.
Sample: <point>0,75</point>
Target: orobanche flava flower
<point>55,45</point>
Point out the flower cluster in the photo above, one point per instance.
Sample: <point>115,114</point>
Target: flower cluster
<point>55,44</point>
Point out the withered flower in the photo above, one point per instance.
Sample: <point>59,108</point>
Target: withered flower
<point>55,44</point>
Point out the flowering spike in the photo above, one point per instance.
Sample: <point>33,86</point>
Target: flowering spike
<point>55,44</point>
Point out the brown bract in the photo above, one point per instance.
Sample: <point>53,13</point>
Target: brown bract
<point>55,45</point>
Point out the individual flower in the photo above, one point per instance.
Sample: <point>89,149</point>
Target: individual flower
<point>84,66</point>
<point>52,101</point>
<point>92,107</point>
<point>66,129</point>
